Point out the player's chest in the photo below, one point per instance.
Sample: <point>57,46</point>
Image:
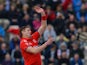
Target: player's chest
<point>32,42</point>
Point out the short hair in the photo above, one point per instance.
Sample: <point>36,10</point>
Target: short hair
<point>23,28</point>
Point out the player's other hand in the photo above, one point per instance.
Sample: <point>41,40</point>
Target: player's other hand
<point>50,41</point>
<point>38,9</point>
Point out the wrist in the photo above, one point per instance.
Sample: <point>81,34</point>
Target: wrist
<point>44,17</point>
<point>46,44</point>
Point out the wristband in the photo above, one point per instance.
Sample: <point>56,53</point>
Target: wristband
<point>44,17</point>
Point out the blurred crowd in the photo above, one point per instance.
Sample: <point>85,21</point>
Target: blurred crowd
<point>67,24</point>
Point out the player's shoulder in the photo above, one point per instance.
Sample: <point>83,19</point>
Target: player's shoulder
<point>23,43</point>
<point>35,34</point>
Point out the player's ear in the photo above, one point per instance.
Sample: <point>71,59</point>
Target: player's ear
<point>22,32</point>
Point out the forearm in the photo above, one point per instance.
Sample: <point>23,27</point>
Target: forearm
<point>36,50</point>
<point>43,19</point>
<point>40,48</point>
<point>43,23</point>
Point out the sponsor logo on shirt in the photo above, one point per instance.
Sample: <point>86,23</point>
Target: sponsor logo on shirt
<point>25,41</point>
<point>34,41</point>
<point>26,44</point>
<point>30,43</point>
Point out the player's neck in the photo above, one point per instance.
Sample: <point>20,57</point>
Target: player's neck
<point>26,37</point>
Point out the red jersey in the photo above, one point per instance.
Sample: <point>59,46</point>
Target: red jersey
<point>29,58</point>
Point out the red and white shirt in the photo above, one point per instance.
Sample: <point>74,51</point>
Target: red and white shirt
<point>29,58</point>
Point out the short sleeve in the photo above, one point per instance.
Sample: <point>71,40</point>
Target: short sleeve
<point>36,35</point>
<point>24,45</point>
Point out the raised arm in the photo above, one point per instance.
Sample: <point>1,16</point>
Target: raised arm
<point>36,50</point>
<point>43,19</point>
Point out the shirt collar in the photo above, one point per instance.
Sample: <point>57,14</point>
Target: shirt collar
<point>28,39</point>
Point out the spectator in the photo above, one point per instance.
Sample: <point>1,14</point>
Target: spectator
<point>26,21</point>
<point>13,14</point>
<point>14,21</point>
<point>32,12</point>
<point>4,23</point>
<point>2,32</point>
<point>51,15</point>
<point>76,5</point>
<point>60,39</point>
<point>7,3</point>
<point>64,59</point>
<point>3,51</point>
<point>36,22</point>
<point>52,56</point>
<point>82,21</point>
<point>3,16</point>
<point>13,42</point>
<point>7,60</point>
<point>69,11</point>
<point>59,9</point>
<point>76,60</point>
<point>71,20</point>
<point>82,12</point>
<point>59,21</point>
<point>63,48</point>
<point>81,36</point>
<point>3,12</point>
<point>75,49</point>
<point>19,5</point>
<point>65,4</point>
<point>49,32</point>
<point>16,56</point>
<point>72,30</point>
<point>72,39</point>
<point>25,10</point>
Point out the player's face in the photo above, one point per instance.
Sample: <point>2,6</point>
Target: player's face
<point>27,32</point>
